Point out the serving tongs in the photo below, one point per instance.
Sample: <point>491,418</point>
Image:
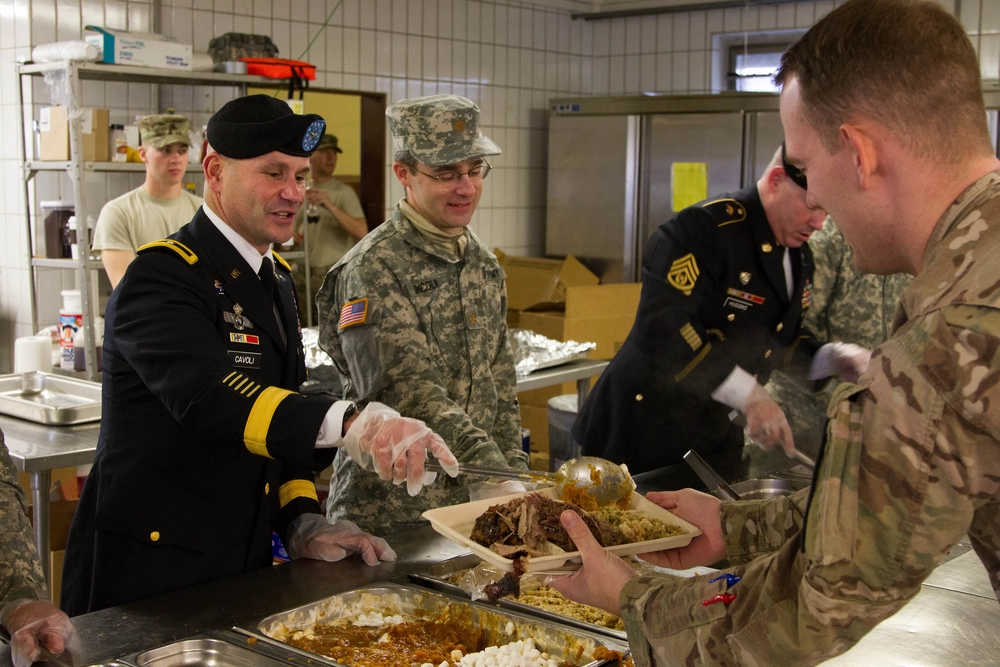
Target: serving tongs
<point>607,482</point>
<point>716,485</point>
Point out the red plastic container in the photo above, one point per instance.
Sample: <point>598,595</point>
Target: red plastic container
<point>280,68</point>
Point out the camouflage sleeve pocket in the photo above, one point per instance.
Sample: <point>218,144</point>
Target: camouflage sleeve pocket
<point>832,521</point>
<point>361,350</point>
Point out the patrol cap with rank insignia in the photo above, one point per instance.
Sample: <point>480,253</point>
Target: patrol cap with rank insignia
<point>161,130</point>
<point>256,125</point>
<point>440,129</point>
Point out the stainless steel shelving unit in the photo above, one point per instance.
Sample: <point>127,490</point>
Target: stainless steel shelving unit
<point>77,73</point>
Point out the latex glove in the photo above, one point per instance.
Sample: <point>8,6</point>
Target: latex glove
<point>847,360</point>
<point>851,361</point>
<point>315,537</point>
<point>766,423</point>
<point>599,582</point>
<point>34,622</point>
<point>396,447</point>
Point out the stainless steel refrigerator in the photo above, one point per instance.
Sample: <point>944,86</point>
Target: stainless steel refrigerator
<point>611,165</point>
<point>611,162</point>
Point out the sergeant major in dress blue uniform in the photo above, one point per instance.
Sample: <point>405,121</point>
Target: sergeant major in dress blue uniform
<point>725,283</point>
<point>205,444</point>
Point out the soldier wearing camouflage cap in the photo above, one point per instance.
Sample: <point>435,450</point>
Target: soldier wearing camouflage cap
<point>414,316</point>
<point>911,462</point>
<point>157,208</point>
<point>331,217</point>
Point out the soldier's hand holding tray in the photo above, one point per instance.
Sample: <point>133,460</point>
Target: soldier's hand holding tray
<point>847,360</point>
<point>396,447</point>
<point>600,581</point>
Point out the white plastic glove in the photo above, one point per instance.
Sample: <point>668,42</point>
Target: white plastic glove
<point>396,447</point>
<point>34,622</point>
<point>847,360</point>
<point>766,422</point>
<point>315,537</point>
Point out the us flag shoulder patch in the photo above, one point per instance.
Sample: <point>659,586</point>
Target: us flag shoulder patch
<point>353,313</point>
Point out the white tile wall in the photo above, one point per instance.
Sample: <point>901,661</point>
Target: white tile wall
<point>509,56</point>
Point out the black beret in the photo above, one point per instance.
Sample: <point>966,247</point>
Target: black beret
<point>255,125</point>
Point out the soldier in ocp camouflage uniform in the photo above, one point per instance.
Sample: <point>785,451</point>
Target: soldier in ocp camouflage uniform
<point>25,611</point>
<point>414,316</point>
<point>847,306</point>
<point>912,458</point>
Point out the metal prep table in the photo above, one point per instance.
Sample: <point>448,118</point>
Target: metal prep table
<point>37,450</point>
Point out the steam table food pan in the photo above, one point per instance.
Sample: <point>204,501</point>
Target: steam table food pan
<point>47,398</point>
<point>562,641</point>
<point>438,577</point>
<point>204,651</point>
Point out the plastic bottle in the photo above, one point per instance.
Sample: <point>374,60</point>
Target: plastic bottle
<point>119,144</point>
<point>73,246</point>
<point>70,322</point>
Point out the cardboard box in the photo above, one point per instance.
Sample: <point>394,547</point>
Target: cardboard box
<point>602,314</point>
<point>54,128</point>
<point>539,398</point>
<point>138,48</point>
<point>536,420</point>
<point>535,283</point>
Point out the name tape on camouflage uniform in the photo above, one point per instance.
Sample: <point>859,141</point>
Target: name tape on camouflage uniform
<point>354,313</point>
<point>683,274</point>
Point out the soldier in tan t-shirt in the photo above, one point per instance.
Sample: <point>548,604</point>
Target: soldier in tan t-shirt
<point>157,208</point>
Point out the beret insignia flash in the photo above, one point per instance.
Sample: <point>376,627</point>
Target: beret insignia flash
<point>313,134</point>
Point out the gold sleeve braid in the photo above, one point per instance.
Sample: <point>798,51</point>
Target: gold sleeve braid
<point>297,488</point>
<point>255,433</point>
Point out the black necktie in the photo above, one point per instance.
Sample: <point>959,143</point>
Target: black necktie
<point>266,274</point>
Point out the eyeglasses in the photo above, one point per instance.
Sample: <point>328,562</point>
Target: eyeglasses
<point>797,175</point>
<point>476,174</point>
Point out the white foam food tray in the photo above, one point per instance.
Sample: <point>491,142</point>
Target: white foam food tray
<point>456,523</point>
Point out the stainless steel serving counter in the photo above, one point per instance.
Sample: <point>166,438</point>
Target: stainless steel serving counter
<point>951,622</point>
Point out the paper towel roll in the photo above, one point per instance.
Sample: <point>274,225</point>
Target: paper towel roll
<point>32,353</point>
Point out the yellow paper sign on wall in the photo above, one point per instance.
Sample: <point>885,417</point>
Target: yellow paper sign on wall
<point>689,182</point>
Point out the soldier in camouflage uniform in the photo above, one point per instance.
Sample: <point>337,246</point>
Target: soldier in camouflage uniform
<point>25,611</point>
<point>847,306</point>
<point>414,315</point>
<point>912,458</point>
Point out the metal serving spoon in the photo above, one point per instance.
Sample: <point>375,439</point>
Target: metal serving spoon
<point>607,482</point>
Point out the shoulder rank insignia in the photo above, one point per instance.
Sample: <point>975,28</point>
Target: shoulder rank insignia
<point>182,250</point>
<point>726,211</point>
<point>683,274</point>
<point>353,313</point>
<point>281,260</point>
